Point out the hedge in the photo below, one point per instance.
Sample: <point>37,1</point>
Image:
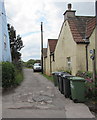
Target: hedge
<point>8,74</point>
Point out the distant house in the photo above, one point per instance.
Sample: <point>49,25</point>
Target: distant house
<point>76,39</point>
<point>44,59</point>
<point>5,54</point>
<point>50,65</point>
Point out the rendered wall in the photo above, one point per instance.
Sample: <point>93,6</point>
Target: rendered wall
<point>81,57</point>
<point>96,44</point>
<point>5,54</point>
<point>66,47</point>
<point>91,47</point>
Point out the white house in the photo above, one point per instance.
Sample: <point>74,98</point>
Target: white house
<point>5,54</point>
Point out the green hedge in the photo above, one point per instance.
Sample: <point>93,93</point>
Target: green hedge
<point>12,75</point>
<point>8,74</point>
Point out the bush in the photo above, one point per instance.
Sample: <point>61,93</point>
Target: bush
<point>91,90</point>
<point>12,75</point>
<point>86,75</point>
<point>18,77</point>
<point>8,74</point>
<point>91,86</point>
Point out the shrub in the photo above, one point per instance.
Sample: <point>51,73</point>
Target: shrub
<point>91,86</point>
<point>18,77</point>
<point>12,74</point>
<point>85,75</point>
<point>18,65</point>
<point>91,90</point>
<point>8,74</point>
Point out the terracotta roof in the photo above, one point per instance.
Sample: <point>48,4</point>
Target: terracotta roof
<point>90,27</point>
<point>52,44</point>
<point>78,26</point>
<point>44,52</point>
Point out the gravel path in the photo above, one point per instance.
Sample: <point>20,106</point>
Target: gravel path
<point>37,97</point>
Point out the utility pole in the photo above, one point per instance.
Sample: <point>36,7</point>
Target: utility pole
<point>42,46</point>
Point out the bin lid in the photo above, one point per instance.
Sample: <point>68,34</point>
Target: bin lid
<point>55,73</point>
<point>62,73</point>
<point>67,75</point>
<point>77,78</point>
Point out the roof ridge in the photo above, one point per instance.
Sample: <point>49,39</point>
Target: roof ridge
<point>86,16</point>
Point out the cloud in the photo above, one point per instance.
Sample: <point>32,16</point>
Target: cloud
<point>29,33</point>
<point>27,15</point>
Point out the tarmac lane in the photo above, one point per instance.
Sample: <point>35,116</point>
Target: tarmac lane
<point>37,97</point>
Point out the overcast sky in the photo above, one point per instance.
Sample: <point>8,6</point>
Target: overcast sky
<point>27,15</point>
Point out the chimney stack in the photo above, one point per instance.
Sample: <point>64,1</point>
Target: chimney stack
<point>69,6</point>
<point>69,13</point>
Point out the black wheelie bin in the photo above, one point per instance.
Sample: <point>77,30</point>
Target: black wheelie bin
<point>60,79</point>
<point>66,85</point>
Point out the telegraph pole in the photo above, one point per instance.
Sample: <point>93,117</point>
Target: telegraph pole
<point>42,46</point>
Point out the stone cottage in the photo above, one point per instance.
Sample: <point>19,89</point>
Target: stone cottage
<point>49,58</point>
<point>76,39</point>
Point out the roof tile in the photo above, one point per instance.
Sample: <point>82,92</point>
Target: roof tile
<point>81,26</point>
<point>52,44</point>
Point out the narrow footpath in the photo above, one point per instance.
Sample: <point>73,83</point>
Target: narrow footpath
<point>37,97</point>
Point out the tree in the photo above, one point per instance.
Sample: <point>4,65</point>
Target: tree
<point>16,43</point>
<point>30,63</point>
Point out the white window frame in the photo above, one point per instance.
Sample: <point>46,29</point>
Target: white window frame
<point>69,63</point>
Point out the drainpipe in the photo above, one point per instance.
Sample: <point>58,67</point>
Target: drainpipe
<point>87,43</point>
<point>50,65</point>
<point>86,57</point>
<point>96,40</point>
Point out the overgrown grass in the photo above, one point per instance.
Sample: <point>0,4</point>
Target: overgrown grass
<point>18,77</point>
<point>48,77</point>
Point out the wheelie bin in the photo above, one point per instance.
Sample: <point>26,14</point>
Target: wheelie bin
<point>56,78</point>
<point>77,89</point>
<point>60,78</point>
<point>66,85</point>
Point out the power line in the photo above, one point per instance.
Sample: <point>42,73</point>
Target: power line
<point>10,18</point>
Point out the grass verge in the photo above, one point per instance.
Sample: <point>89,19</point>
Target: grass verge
<point>48,77</point>
<point>19,77</point>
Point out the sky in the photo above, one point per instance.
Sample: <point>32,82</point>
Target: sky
<point>26,17</point>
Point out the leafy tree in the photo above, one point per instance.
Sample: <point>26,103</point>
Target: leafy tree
<point>30,63</point>
<point>16,43</point>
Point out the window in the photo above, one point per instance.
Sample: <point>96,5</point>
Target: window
<point>5,37</point>
<point>69,62</point>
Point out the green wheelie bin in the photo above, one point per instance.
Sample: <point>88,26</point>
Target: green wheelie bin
<point>77,85</point>
<point>56,78</point>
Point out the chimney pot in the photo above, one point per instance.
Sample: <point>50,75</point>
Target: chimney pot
<point>69,6</point>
